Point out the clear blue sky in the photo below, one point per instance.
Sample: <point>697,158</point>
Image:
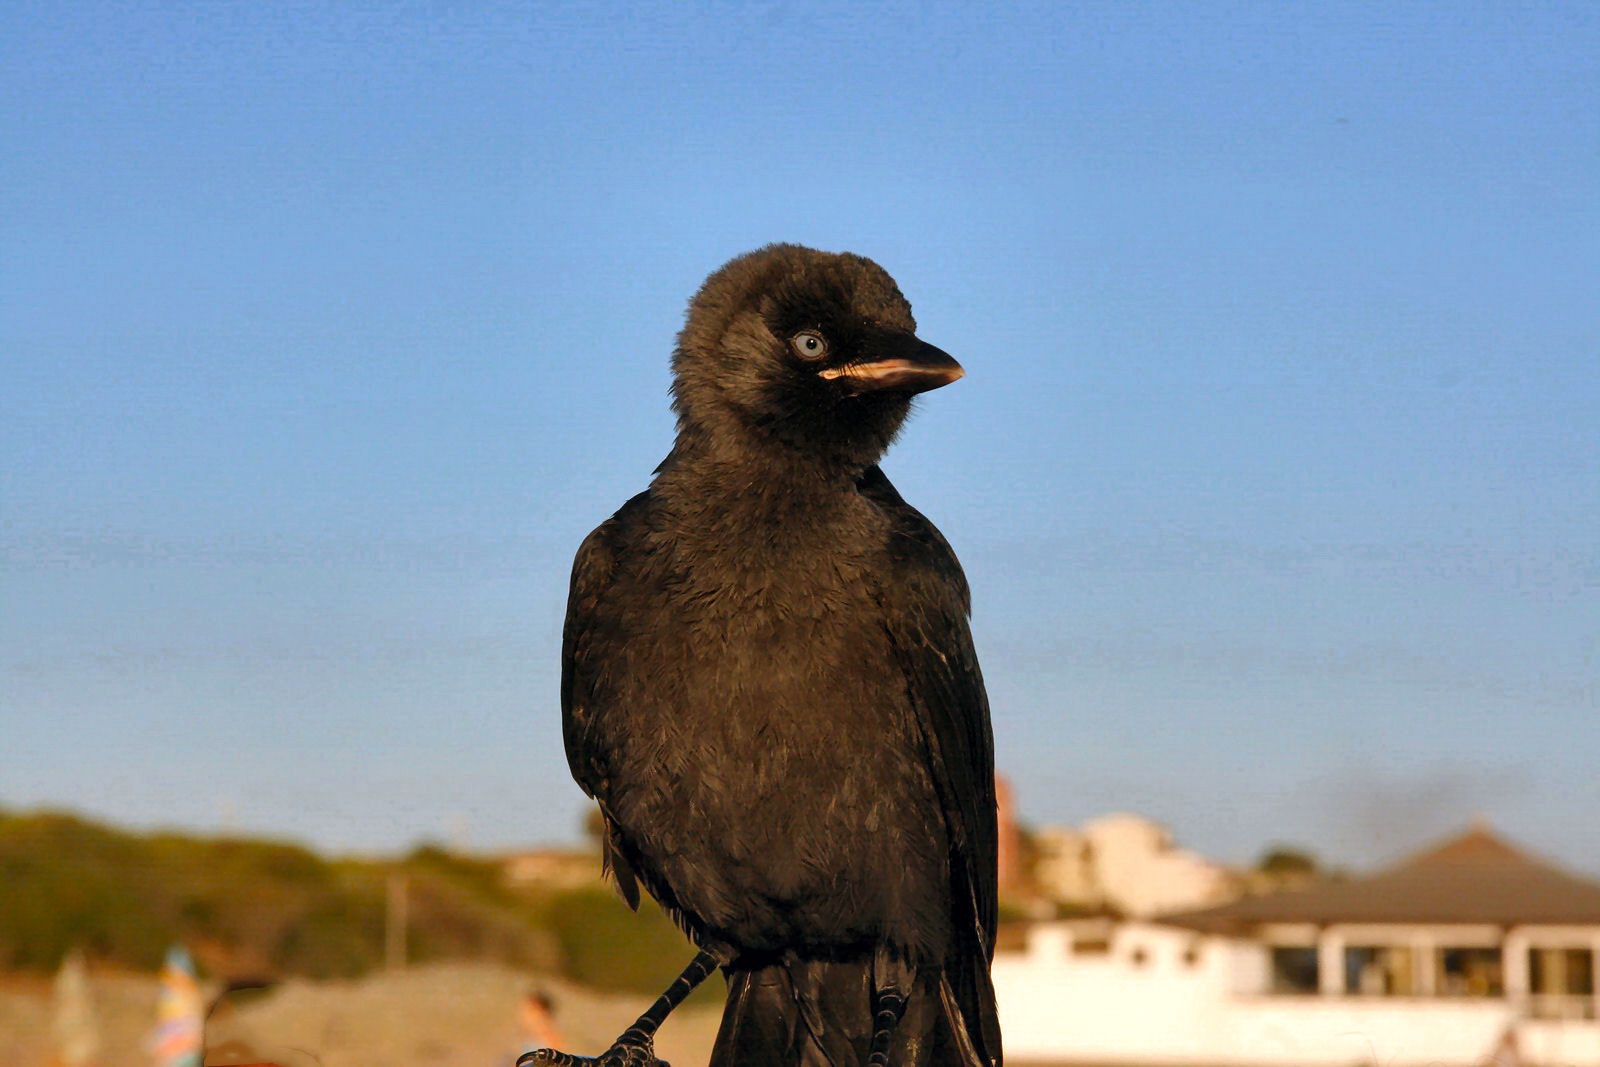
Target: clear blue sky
<point>328,330</point>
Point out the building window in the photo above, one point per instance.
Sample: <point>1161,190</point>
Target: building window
<point>1379,971</point>
<point>1470,972</point>
<point>1562,982</point>
<point>1294,969</point>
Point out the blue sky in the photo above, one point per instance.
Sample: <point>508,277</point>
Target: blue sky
<point>329,330</point>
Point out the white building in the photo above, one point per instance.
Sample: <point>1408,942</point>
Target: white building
<point>1466,952</point>
<point>1126,864</point>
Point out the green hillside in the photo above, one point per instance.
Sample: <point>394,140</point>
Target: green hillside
<point>263,909</point>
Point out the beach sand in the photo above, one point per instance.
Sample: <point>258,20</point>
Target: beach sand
<point>438,1015</point>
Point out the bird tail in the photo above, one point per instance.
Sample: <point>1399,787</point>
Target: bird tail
<point>819,1013</point>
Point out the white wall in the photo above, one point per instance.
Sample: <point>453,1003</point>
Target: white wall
<point>1106,1006</point>
<point>1557,1043</point>
<point>1056,1006</point>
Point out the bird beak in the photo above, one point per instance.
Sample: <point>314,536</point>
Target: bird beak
<point>906,365</point>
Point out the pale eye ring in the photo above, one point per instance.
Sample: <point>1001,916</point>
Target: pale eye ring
<point>809,345</point>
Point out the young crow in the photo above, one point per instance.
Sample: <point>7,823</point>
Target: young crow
<point>770,688</point>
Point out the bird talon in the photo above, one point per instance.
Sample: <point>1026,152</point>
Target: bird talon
<point>549,1057</point>
<point>627,1058</point>
<point>631,1054</point>
<point>622,1054</point>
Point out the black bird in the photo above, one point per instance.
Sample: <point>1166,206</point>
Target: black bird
<point>770,688</point>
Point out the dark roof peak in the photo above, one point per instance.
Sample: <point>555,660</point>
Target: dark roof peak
<point>1474,877</point>
<point>1477,844</point>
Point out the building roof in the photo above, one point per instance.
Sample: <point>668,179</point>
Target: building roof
<point>1476,877</point>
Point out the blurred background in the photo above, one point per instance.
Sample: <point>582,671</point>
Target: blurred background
<point>329,330</point>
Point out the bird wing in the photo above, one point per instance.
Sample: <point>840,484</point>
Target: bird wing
<point>591,633</point>
<point>926,604</point>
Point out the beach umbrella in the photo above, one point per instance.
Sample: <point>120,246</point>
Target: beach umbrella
<point>180,1013</point>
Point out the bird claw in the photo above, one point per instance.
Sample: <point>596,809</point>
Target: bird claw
<point>622,1054</point>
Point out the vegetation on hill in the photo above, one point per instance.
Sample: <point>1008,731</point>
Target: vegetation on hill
<point>1285,867</point>
<point>264,909</point>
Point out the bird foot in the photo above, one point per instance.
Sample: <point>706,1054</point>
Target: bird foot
<point>625,1053</point>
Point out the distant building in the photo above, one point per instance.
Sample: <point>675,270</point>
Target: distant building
<point>552,868</point>
<point>1012,874</point>
<point>1468,951</point>
<point>1125,864</point>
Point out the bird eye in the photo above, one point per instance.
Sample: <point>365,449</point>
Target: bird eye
<point>809,344</point>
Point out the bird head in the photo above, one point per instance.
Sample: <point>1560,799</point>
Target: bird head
<point>788,349</point>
